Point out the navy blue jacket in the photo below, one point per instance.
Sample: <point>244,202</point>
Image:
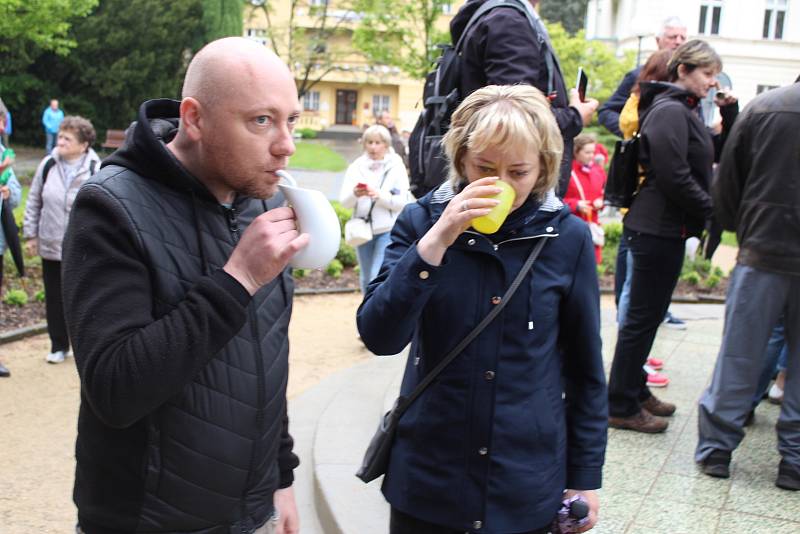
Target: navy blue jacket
<point>521,414</point>
<point>608,114</point>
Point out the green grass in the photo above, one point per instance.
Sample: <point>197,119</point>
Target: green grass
<point>316,157</point>
<point>19,211</point>
<point>729,238</point>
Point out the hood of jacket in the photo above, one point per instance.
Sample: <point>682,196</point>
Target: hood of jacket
<point>461,19</point>
<point>652,91</point>
<point>145,148</point>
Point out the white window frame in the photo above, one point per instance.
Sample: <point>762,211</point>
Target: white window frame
<point>311,101</point>
<point>773,8</point>
<point>381,103</point>
<point>705,26</point>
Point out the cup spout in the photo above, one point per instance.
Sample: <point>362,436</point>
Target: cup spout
<point>287,178</point>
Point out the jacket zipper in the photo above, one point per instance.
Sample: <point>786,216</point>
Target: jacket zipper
<point>233,227</point>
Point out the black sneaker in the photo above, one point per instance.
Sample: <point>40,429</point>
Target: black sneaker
<point>4,372</point>
<point>717,464</point>
<point>788,476</point>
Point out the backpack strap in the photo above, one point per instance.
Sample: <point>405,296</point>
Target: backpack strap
<point>535,23</point>
<point>51,162</point>
<point>92,167</point>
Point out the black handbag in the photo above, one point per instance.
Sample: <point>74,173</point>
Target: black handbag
<point>376,459</point>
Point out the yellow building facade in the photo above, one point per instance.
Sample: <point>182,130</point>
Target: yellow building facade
<point>353,92</point>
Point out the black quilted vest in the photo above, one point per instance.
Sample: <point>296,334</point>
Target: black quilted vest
<point>211,451</point>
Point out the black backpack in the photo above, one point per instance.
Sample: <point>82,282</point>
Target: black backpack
<point>441,96</point>
<point>625,175</point>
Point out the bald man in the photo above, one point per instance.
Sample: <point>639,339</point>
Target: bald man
<point>178,301</point>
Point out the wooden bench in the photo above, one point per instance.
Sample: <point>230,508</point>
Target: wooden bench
<point>114,139</point>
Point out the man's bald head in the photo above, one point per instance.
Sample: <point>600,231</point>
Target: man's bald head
<point>223,67</point>
<point>237,114</point>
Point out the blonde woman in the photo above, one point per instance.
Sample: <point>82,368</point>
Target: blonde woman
<point>375,187</point>
<point>518,417</point>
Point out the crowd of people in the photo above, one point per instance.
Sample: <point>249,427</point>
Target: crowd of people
<point>165,270</point>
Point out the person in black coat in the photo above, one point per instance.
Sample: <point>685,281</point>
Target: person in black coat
<point>178,300</point>
<point>677,153</point>
<point>503,49</point>
<point>519,416</point>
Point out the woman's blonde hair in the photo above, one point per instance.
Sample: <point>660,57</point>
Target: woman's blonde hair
<point>376,131</point>
<point>693,54</point>
<point>508,117</point>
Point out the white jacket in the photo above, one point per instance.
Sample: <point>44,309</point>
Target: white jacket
<point>390,179</point>
<point>47,211</point>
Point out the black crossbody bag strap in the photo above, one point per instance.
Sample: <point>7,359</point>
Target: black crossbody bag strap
<point>403,404</point>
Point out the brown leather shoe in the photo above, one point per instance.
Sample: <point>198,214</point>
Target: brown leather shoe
<point>658,407</point>
<point>643,421</point>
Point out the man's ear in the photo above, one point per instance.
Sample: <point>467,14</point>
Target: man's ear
<point>192,118</point>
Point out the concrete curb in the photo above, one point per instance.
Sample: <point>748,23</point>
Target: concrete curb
<point>22,333</point>
<point>344,504</point>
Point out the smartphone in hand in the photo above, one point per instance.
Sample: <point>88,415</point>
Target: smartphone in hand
<point>361,185</point>
<point>580,84</point>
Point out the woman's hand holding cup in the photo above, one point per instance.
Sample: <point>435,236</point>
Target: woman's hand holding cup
<point>466,206</point>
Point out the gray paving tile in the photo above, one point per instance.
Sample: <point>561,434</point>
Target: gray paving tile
<point>667,516</point>
<point>617,510</point>
<point>702,491</point>
<point>753,491</point>
<point>735,522</point>
<point>628,477</point>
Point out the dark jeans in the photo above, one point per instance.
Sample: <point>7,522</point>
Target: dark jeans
<point>656,266</point>
<point>401,523</point>
<point>54,305</point>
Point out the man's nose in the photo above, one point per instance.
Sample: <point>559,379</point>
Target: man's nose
<point>283,144</point>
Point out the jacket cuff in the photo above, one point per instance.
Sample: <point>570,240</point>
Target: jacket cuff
<point>232,286</point>
<point>418,273</point>
<point>585,478</point>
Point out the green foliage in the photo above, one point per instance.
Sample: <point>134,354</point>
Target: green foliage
<point>347,255</point>
<point>16,297</point>
<point>401,34</point>
<point>334,268</point>
<point>307,133</point>
<point>299,273</point>
<point>712,281</point>
<point>691,278</point>
<point>608,263</point>
<point>128,51</point>
<point>222,18</point>
<point>28,28</point>
<point>699,265</point>
<point>39,296</point>
<point>570,13</point>
<point>342,213</point>
<point>317,157</point>
<point>597,58</point>
<point>729,238</point>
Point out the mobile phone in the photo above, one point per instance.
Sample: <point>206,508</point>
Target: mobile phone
<point>361,185</point>
<point>580,84</point>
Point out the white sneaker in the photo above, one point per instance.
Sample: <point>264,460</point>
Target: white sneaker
<point>56,357</point>
<point>775,394</point>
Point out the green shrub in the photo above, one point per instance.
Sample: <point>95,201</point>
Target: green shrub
<point>357,269</point>
<point>712,281</point>
<point>299,273</point>
<point>16,297</point>
<point>347,255</point>
<point>718,272</point>
<point>342,213</point>
<point>613,232</point>
<point>307,133</point>
<point>334,268</point>
<point>39,296</point>
<point>692,278</point>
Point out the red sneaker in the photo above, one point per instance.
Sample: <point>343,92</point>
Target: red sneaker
<point>655,380</point>
<point>655,363</point>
